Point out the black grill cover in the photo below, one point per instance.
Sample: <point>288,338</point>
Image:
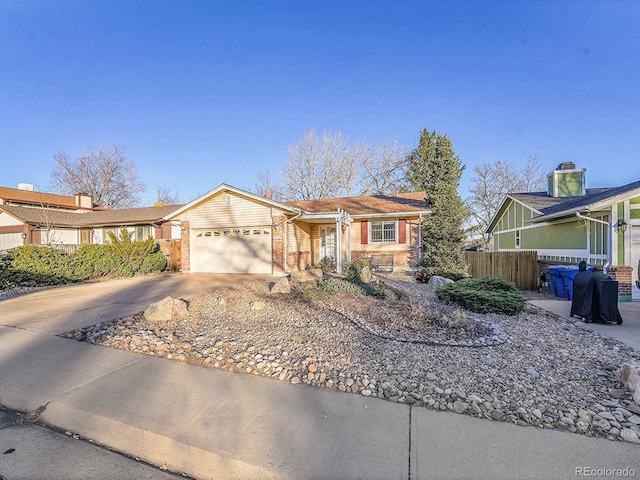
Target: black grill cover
<point>595,298</point>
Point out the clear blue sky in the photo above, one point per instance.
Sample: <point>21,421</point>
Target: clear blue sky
<point>205,92</point>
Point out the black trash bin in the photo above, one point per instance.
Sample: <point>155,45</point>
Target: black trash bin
<point>595,298</point>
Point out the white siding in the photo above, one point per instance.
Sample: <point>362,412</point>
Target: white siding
<point>62,236</point>
<point>7,220</point>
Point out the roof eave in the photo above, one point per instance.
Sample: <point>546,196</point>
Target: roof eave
<point>222,187</point>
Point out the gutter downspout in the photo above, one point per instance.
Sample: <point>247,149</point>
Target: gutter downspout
<point>286,235</point>
<point>609,239</point>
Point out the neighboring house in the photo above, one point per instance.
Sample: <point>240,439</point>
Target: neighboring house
<point>28,217</point>
<point>229,230</point>
<point>570,222</point>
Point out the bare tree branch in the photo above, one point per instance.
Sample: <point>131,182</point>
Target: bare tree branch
<point>103,173</point>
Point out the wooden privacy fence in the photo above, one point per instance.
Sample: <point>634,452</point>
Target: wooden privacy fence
<point>520,268</point>
<point>171,250</point>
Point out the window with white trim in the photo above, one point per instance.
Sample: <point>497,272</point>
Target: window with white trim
<point>517,238</point>
<point>383,232</point>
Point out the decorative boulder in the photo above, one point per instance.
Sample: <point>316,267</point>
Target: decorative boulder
<point>438,281</point>
<point>630,378</point>
<point>165,310</point>
<point>281,286</point>
<point>257,305</point>
<point>365,275</point>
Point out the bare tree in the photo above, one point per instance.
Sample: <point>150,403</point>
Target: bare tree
<point>490,185</point>
<point>267,187</point>
<point>323,167</point>
<point>384,169</point>
<point>103,173</point>
<point>166,196</point>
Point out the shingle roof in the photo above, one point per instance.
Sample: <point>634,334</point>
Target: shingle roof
<point>68,218</point>
<point>16,195</point>
<point>548,205</point>
<point>364,205</point>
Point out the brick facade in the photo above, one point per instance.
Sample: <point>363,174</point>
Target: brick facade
<point>185,246</point>
<point>624,277</point>
<point>278,244</point>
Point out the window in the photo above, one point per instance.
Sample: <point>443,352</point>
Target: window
<point>143,232</point>
<point>517,238</point>
<point>383,232</point>
<point>106,230</point>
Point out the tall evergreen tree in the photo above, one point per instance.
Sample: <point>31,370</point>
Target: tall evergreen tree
<point>435,168</point>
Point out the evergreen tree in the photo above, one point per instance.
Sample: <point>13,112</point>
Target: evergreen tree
<point>419,159</point>
<point>435,168</point>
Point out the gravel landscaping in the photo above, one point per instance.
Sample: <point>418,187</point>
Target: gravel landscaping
<point>532,369</point>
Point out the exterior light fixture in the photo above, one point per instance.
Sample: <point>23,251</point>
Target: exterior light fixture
<point>23,235</point>
<point>621,226</point>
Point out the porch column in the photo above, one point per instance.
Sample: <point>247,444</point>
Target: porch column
<point>339,246</point>
<point>348,243</point>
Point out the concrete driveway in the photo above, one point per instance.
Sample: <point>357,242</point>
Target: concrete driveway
<point>62,309</point>
<point>628,332</point>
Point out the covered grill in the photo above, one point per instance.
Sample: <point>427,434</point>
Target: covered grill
<point>595,298</point>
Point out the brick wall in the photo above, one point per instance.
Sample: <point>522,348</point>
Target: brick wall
<point>401,259</point>
<point>624,277</point>
<point>185,246</point>
<point>278,246</point>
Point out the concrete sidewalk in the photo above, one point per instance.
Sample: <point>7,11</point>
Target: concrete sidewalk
<point>214,424</point>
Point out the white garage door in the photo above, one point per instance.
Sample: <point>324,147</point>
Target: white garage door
<point>10,240</point>
<point>232,250</point>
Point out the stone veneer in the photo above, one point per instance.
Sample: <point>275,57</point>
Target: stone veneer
<point>624,277</point>
<point>185,246</point>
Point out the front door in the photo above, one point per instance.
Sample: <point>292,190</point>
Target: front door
<point>328,242</point>
<point>85,236</point>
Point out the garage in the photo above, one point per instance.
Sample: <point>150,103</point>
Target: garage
<point>232,250</point>
<point>10,240</point>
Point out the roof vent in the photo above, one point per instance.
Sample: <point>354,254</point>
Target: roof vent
<point>25,186</point>
<point>566,166</point>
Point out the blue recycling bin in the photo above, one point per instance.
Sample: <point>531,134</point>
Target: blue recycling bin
<point>556,281</point>
<point>568,274</point>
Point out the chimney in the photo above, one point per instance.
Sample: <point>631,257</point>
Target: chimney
<point>267,193</point>
<point>84,201</point>
<point>567,181</point>
<point>25,186</point>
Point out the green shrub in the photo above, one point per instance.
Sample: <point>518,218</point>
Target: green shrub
<point>485,295</point>
<point>94,261</point>
<point>40,260</point>
<point>154,262</point>
<point>327,265</point>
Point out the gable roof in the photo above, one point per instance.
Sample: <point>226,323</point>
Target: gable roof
<point>69,218</point>
<point>223,187</point>
<point>550,207</point>
<point>18,196</point>
<point>411,202</point>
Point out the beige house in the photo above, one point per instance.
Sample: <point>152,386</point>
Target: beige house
<point>229,230</point>
<point>29,217</point>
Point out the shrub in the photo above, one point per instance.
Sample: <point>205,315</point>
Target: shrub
<point>485,295</point>
<point>40,260</point>
<point>327,265</point>
<point>93,261</point>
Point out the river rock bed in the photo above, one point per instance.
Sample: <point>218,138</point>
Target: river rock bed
<point>533,369</point>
